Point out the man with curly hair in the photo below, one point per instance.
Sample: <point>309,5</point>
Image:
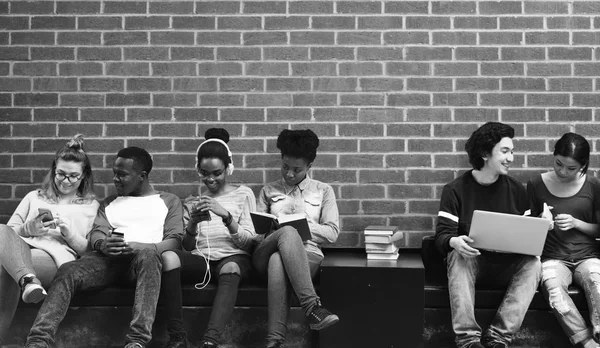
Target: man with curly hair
<point>486,187</point>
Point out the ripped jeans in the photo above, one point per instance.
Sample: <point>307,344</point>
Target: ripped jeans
<point>557,275</point>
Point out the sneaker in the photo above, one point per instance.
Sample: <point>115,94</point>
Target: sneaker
<point>134,345</point>
<point>208,344</point>
<point>178,342</point>
<point>320,318</point>
<point>33,292</point>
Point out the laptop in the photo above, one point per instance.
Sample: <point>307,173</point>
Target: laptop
<point>508,233</point>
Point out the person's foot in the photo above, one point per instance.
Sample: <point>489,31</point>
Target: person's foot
<point>320,318</point>
<point>205,343</point>
<point>274,344</point>
<point>475,344</point>
<point>33,291</point>
<point>134,345</point>
<point>179,341</point>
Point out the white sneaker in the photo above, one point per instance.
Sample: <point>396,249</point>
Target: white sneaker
<point>33,291</point>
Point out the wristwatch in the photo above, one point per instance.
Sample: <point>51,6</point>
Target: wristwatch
<point>228,220</point>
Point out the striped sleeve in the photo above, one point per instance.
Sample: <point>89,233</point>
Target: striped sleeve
<point>448,218</point>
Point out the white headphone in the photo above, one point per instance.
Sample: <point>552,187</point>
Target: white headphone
<point>230,165</point>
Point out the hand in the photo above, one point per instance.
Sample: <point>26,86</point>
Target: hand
<point>210,204</point>
<point>565,222</point>
<point>113,246</point>
<point>36,227</point>
<point>132,248</point>
<point>65,226</point>
<point>546,214</point>
<point>460,245</point>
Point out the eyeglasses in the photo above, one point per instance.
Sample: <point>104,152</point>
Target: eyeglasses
<point>71,178</point>
<point>206,175</point>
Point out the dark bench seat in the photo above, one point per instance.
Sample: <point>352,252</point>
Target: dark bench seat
<point>539,329</point>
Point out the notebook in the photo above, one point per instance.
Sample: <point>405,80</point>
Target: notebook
<point>508,233</point>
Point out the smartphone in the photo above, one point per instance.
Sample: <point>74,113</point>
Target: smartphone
<point>205,216</point>
<point>46,215</point>
<point>117,234</point>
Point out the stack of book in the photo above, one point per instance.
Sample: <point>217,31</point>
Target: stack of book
<point>379,242</point>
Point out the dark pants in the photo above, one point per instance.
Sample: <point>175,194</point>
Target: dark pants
<point>95,272</point>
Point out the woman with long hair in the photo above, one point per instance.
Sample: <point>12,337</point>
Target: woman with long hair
<point>48,228</point>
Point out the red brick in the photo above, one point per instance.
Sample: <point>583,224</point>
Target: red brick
<point>586,7</point>
<point>56,114</point>
<point>238,53</point>
<point>148,84</point>
<point>264,7</point>
<point>78,7</point>
<point>379,207</point>
<point>319,99</point>
<point>405,38</point>
<point>551,69</point>
<point>88,38</point>
<point>523,115</point>
<point>451,161</point>
<point>36,99</point>
<point>428,84</point>
<point>361,130</point>
<point>14,53</point>
<point>153,146</point>
<point>529,145</point>
<point>288,22</point>
<point>338,145</point>
<point>586,69</point>
<point>172,38</point>
<point>268,100</point>
<point>89,130</point>
<point>242,115</point>
<point>570,115</point>
<point>125,7</point>
<point>35,69</point>
<point>32,38</point>
<point>196,84</point>
<point>332,53</point>
<point>476,53</point>
<point>174,99</point>
<point>126,38</point>
<point>424,207</point>
<point>52,53</point>
<point>359,38</point>
<point>475,115</point>
<point>34,130</point>
<point>192,22</point>
<point>191,53</point>
<point>241,84</point>
<point>238,23</point>
<point>407,69</point>
<point>429,22</point>
<point>103,115</point>
<point>406,7</point>
<point>318,7</point>
<point>571,84</point>
<point>542,130</point>
<point>570,53</point>
<point>218,38</point>
<point>454,99</point>
<point>521,22</point>
<point>15,84</point>
<point>335,114</point>
<point>288,84</point>
<point>502,99</point>
<point>362,191</point>
<point>145,53</point>
<point>14,23</point>
<point>82,99</point>
<point>336,22</point>
<point>172,130</point>
<point>429,145</point>
<point>350,223</point>
<point>548,99</point>
<point>588,131</point>
<point>125,69</point>
<point>335,84</point>
<point>502,69</point>
<point>150,22</point>
<point>127,130</point>
<point>197,114</point>
<point>362,99</point>
<point>173,160</point>
<point>151,114</point>
<point>295,114</point>
<point>172,7</point>
<point>428,53</point>
<point>264,38</point>
<point>410,191</point>
<point>348,206</point>
<point>546,7</point>
<point>472,22</point>
<point>218,7</point>
<point>263,130</point>
<point>262,161</point>
<point>360,161</point>
<point>16,176</point>
<point>381,84</point>
<point>568,22</point>
<point>300,69</point>
<point>4,69</point>
<point>119,99</point>
<point>547,38</point>
<point>454,38</point>
<point>312,38</point>
<point>382,145</point>
<point>523,84</point>
<point>55,84</point>
<point>98,53</point>
<point>5,99</point>
<point>174,69</point>
<point>221,100</point>
<point>586,100</point>
<point>501,38</point>
<point>100,23</point>
<point>410,160</point>
<point>455,69</point>
<point>586,38</point>
<point>53,22</point>
<point>4,7</point>
<point>14,145</point>
<point>523,53</point>
<point>409,99</point>
<point>32,7</point>
<point>323,130</point>
<point>380,22</point>
<point>425,176</point>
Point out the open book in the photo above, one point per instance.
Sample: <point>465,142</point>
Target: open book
<point>265,223</point>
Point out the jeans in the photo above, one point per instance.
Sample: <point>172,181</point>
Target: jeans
<point>95,272</point>
<point>557,275</point>
<point>281,257</point>
<point>520,272</point>
<point>17,260</point>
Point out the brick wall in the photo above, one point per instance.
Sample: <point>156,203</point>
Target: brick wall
<point>393,88</point>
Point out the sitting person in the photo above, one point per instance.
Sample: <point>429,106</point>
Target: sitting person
<point>217,243</point>
<point>31,250</point>
<point>486,187</point>
<point>151,223</point>
<point>571,252</point>
<point>281,256</point>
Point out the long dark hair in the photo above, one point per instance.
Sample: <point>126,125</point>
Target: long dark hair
<point>574,146</point>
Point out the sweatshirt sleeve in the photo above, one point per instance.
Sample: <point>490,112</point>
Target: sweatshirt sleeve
<point>173,226</point>
<point>19,216</point>
<point>328,228</point>
<point>448,217</point>
<point>101,227</point>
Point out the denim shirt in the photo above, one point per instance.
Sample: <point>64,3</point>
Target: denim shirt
<point>311,197</point>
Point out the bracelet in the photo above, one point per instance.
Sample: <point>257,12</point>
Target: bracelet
<point>98,244</point>
<point>188,232</point>
<point>228,220</point>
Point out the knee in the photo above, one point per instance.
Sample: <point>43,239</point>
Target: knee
<point>230,267</point>
<point>275,260</point>
<point>170,261</point>
<point>288,234</point>
<point>148,257</point>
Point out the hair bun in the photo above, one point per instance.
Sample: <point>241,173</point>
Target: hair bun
<point>76,142</point>
<point>217,133</point>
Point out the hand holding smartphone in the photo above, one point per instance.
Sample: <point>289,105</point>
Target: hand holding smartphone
<point>46,216</point>
<point>201,215</point>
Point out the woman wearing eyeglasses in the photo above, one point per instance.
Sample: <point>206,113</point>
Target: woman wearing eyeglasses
<point>48,228</point>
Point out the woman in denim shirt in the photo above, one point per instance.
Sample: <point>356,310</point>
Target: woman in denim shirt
<point>282,257</point>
